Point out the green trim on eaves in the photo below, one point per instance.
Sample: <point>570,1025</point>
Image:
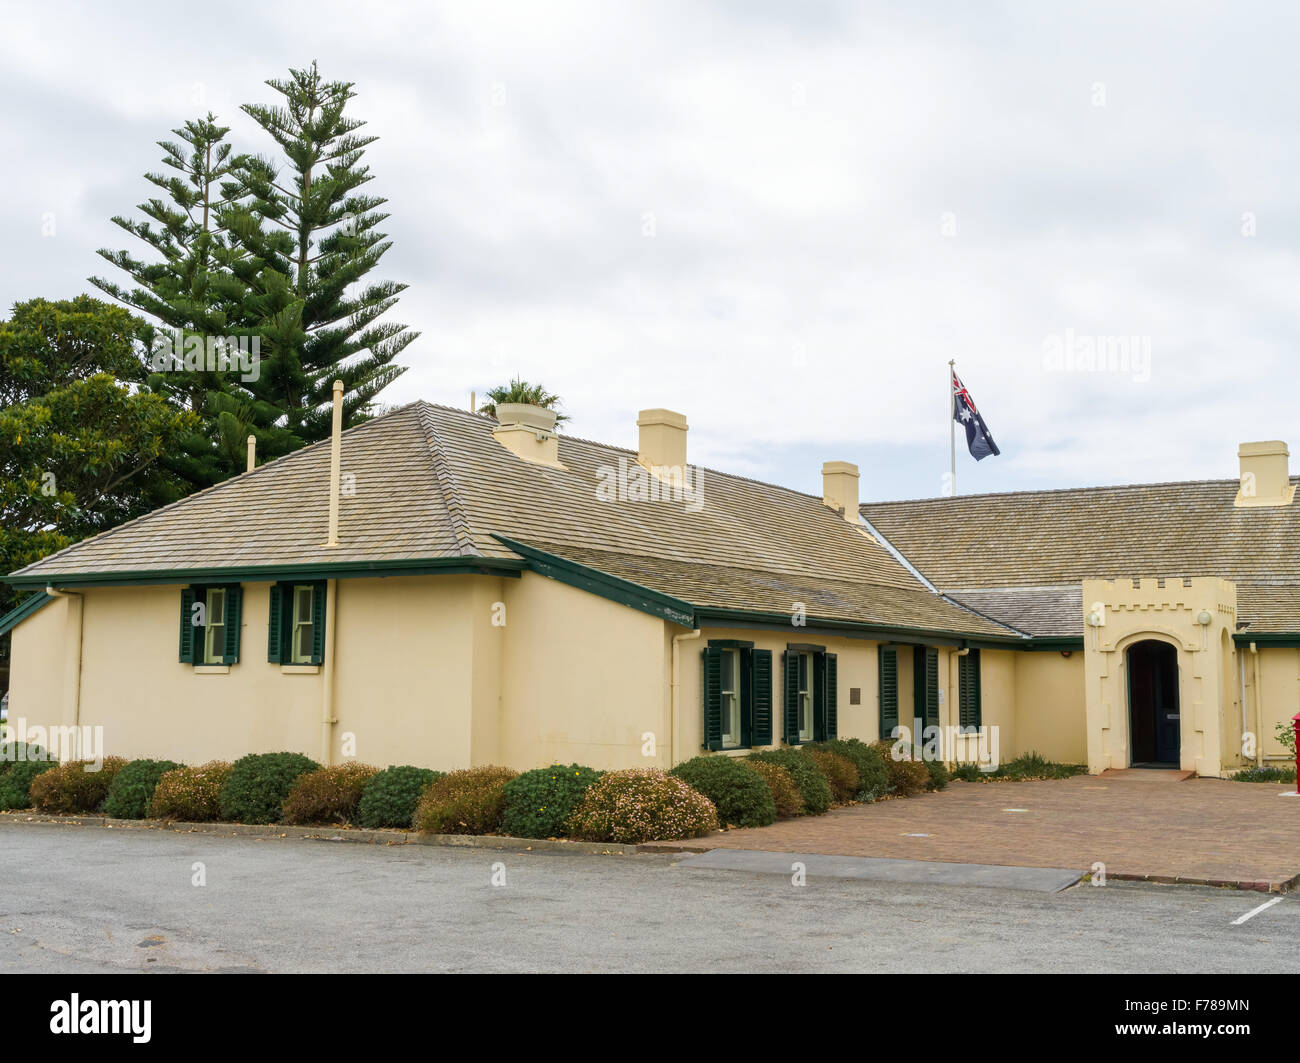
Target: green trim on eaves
<point>1267,638</point>
<point>748,618</point>
<point>23,610</point>
<point>602,584</point>
<point>487,566</point>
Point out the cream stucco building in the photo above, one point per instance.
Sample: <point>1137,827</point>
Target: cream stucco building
<point>453,590</point>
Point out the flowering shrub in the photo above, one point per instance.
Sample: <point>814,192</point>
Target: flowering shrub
<point>741,797</point>
<point>390,796</point>
<point>330,795</point>
<point>75,786</point>
<point>785,795</point>
<point>255,790</point>
<point>540,802</point>
<point>191,795</point>
<point>642,804</point>
<point>472,801</point>
<point>133,786</point>
<point>906,776</point>
<point>20,763</point>
<point>813,787</point>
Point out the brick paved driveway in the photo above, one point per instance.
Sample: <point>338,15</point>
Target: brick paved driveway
<point>1203,830</point>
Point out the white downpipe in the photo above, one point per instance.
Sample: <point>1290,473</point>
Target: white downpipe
<point>72,665</point>
<point>1259,710</point>
<point>672,695</point>
<point>327,718</point>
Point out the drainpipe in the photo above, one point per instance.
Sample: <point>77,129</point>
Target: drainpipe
<point>327,719</point>
<point>72,676</point>
<point>1259,710</point>
<point>1241,671</point>
<point>672,696</point>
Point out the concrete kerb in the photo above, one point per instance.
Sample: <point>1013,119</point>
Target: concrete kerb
<point>331,834</point>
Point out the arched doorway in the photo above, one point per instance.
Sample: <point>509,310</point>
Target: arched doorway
<point>1153,713</point>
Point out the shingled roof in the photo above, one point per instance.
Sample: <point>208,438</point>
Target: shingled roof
<point>430,483</point>
<point>1021,557</point>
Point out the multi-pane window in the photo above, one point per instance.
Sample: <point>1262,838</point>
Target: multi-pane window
<point>805,697</point>
<point>730,699</point>
<point>811,700</point>
<point>214,629</point>
<point>303,624</point>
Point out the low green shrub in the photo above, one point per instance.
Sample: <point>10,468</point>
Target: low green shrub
<point>939,774</point>
<point>785,795</point>
<point>1264,775</point>
<point>741,798</point>
<point>191,794</point>
<point>390,797</point>
<point>640,805</point>
<point>472,801</point>
<point>255,790</point>
<point>813,785</point>
<point>132,788</point>
<point>77,786</point>
<point>329,795</point>
<point>540,802</point>
<point>20,763</point>
<point>840,773</point>
<point>907,774</point>
<point>873,776</point>
<point>1028,767</point>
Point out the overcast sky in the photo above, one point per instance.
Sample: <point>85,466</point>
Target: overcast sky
<point>782,219</point>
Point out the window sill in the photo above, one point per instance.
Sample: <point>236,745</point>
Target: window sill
<point>300,669</point>
<point>212,669</point>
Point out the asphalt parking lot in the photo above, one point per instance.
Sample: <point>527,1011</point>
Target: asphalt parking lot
<point>95,900</point>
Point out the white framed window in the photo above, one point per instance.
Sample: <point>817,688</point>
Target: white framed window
<point>805,697</point>
<point>214,628</point>
<point>731,727</point>
<point>303,631</point>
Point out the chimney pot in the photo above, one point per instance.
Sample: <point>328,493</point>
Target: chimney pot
<point>840,488</point>
<point>528,432</point>
<point>662,439</point>
<point>1265,474</point>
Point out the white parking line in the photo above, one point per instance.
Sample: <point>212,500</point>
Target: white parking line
<point>1255,911</point>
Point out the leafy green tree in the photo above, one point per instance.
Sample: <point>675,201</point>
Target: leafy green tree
<point>521,391</point>
<point>305,219</point>
<point>83,444</point>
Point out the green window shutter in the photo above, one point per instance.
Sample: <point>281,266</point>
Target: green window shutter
<point>761,717</point>
<point>831,727</point>
<point>187,626</point>
<point>275,624</point>
<point>792,659</point>
<point>318,622</point>
<point>711,668</point>
<point>234,615</point>
<point>968,681</point>
<point>925,672</point>
<point>888,687</point>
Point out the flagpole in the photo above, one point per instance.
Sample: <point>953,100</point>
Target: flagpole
<point>952,424</point>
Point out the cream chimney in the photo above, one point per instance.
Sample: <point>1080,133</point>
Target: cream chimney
<point>662,439</point>
<point>336,461</point>
<point>1265,477</point>
<point>528,432</point>
<point>840,488</point>
<point>252,453</point>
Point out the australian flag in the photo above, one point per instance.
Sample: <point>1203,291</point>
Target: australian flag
<point>978,439</point>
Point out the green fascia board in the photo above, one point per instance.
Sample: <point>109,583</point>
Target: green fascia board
<point>487,566</point>
<point>23,610</point>
<point>1055,642</point>
<point>602,584</point>
<point>1267,638</point>
<point>747,618</point>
